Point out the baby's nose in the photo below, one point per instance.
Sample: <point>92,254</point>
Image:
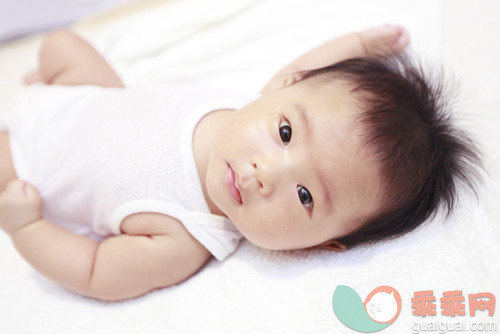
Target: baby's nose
<point>269,172</point>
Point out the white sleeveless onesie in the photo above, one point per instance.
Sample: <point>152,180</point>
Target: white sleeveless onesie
<point>98,155</point>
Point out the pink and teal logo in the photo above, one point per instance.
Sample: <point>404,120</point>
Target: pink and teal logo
<point>379,310</point>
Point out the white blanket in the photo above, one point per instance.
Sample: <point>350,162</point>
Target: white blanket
<point>240,44</point>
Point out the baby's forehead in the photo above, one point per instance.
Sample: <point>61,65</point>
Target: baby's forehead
<point>339,146</point>
<point>334,92</point>
<point>329,81</point>
<point>335,101</point>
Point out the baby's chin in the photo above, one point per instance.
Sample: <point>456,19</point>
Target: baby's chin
<point>260,240</point>
<point>278,243</point>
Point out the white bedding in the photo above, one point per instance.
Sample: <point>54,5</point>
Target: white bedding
<point>240,44</point>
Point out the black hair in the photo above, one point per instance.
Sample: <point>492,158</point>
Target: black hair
<point>406,120</point>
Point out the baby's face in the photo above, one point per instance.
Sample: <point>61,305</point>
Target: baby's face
<point>290,170</point>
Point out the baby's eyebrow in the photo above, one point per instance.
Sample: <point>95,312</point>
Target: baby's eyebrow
<point>327,195</point>
<point>301,111</point>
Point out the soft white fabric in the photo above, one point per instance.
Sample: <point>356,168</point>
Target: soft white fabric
<point>239,44</point>
<point>98,155</point>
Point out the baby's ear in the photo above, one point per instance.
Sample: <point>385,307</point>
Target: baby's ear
<point>332,245</point>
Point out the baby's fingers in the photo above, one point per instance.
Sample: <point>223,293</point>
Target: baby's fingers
<point>30,191</point>
<point>15,188</point>
<point>21,190</point>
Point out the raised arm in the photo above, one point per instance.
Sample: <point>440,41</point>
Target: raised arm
<point>382,41</point>
<point>155,251</point>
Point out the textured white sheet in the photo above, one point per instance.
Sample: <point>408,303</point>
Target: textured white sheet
<point>239,44</point>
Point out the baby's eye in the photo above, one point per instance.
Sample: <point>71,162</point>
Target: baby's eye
<point>305,197</point>
<point>285,131</point>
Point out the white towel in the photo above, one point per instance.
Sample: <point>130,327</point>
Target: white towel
<point>240,44</point>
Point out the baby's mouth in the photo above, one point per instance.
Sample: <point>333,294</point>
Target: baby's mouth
<point>232,185</point>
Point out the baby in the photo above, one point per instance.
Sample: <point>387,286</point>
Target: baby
<point>140,187</point>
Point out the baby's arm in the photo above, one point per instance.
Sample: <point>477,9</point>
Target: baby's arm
<point>67,59</point>
<point>155,250</point>
<point>382,41</point>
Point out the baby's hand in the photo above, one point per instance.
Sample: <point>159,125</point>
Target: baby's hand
<point>385,40</point>
<point>20,205</point>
